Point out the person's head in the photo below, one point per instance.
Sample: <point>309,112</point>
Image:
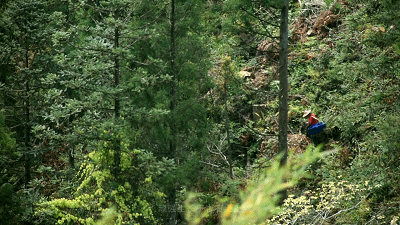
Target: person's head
<point>307,113</point>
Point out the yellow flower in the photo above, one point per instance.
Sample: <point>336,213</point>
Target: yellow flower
<point>228,210</point>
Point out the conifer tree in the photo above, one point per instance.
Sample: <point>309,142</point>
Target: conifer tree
<point>99,69</point>
<point>101,66</point>
<point>26,60</point>
<point>171,90</point>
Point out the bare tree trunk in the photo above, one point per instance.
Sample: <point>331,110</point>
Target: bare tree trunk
<point>173,81</point>
<point>172,194</point>
<point>116,71</point>
<point>283,86</point>
<point>117,147</point>
<point>27,128</point>
<point>228,128</point>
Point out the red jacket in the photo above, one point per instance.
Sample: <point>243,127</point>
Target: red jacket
<point>312,120</point>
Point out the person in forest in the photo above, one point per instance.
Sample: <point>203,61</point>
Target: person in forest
<point>312,120</point>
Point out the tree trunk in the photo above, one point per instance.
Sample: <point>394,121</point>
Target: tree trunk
<point>172,194</point>
<point>173,81</point>
<point>227,128</point>
<point>117,147</point>
<point>283,83</point>
<point>71,156</point>
<point>283,86</point>
<point>27,123</point>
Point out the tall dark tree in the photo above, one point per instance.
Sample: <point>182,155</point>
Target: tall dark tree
<point>25,62</point>
<point>185,124</point>
<point>283,81</point>
<point>173,91</point>
<point>283,89</point>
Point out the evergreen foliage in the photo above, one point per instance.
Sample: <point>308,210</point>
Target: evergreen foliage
<point>10,204</point>
<point>166,112</point>
<point>26,59</point>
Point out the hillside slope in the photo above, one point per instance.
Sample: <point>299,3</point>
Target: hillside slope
<point>345,66</point>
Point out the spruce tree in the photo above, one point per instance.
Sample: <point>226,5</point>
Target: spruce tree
<point>101,65</point>
<point>171,90</point>
<point>25,59</point>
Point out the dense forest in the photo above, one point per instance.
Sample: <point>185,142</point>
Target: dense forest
<point>191,111</point>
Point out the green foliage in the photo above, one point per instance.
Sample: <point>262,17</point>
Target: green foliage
<point>26,59</point>
<point>59,61</point>
<point>10,206</point>
<point>108,217</point>
<point>134,200</point>
<point>390,142</point>
<point>352,85</point>
<point>334,202</point>
<point>10,203</point>
<point>258,202</point>
<point>7,143</point>
<point>247,23</point>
